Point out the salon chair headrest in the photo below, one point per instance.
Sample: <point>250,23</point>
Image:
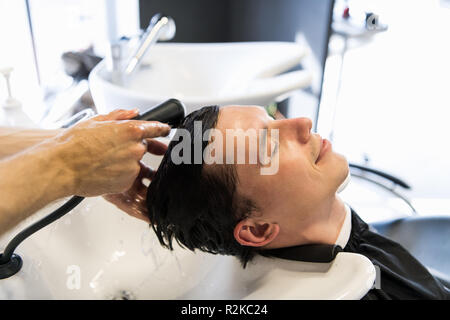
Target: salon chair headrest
<point>347,276</point>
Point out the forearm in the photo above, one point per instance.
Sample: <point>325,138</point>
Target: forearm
<point>29,181</point>
<point>14,140</point>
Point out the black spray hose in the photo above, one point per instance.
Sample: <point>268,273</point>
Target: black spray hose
<point>55,215</point>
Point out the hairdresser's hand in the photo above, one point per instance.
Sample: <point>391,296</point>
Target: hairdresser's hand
<point>103,153</point>
<point>133,201</point>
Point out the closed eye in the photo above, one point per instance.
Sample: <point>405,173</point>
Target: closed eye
<point>274,146</point>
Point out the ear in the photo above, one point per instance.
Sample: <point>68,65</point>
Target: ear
<point>254,233</point>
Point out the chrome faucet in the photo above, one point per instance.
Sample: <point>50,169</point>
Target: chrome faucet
<point>161,27</point>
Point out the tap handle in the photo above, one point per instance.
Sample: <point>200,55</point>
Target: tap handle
<point>168,30</point>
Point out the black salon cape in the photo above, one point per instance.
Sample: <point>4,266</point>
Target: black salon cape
<point>402,276</point>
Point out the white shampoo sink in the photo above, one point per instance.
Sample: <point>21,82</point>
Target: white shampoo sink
<point>98,252</point>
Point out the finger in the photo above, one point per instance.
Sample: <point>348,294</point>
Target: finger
<point>152,129</point>
<point>145,172</point>
<point>128,114</point>
<point>137,184</point>
<point>152,174</point>
<point>105,117</point>
<point>156,147</point>
<point>119,114</point>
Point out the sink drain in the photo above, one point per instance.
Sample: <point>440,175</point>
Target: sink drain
<point>124,295</point>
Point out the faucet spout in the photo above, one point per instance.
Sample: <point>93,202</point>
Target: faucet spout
<point>161,27</point>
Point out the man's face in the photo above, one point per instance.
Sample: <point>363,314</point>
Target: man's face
<point>309,171</point>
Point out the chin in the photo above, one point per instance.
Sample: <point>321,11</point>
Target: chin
<point>341,169</point>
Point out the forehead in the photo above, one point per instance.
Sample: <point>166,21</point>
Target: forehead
<point>241,117</point>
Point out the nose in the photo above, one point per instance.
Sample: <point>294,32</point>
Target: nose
<point>296,128</point>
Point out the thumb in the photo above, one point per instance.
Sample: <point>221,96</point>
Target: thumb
<point>119,114</point>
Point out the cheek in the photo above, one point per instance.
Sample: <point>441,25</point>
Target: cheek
<point>307,180</point>
<point>296,179</point>
<point>250,184</point>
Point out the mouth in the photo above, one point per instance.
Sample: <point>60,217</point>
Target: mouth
<point>325,146</point>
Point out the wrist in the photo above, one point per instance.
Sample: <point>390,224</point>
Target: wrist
<point>53,157</point>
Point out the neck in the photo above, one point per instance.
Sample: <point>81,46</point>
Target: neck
<point>323,228</point>
<point>331,226</point>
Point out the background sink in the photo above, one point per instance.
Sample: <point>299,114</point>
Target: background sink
<point>199,74</point>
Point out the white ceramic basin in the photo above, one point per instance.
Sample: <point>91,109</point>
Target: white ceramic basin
<point>98,252</point>
<point>199,74</point>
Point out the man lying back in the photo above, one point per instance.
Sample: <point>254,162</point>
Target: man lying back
<point>234,181</point>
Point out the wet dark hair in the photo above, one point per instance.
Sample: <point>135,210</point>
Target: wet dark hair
<point>198,208</point>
